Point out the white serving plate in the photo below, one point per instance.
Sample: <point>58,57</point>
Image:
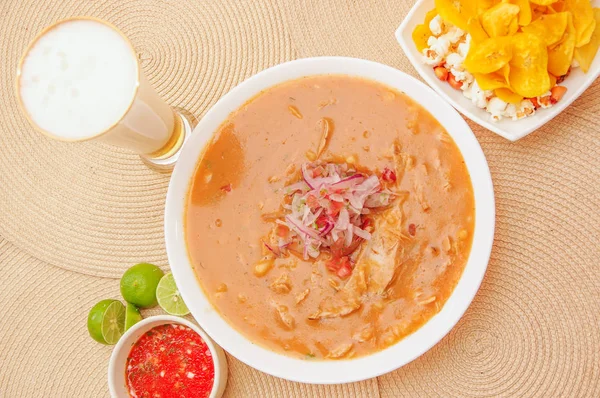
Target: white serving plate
<point>341,371</point>
<point>576,83</point>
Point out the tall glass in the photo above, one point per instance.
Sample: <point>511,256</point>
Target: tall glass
<point>80,79</point>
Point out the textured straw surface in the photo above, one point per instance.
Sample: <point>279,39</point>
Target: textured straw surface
<point>74,216</point>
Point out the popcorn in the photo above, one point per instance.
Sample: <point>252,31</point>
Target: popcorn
<point>544,100</point>
<point>454,35</point>
<point>462,76</point>
<point>477,96</point>
<point>441,45</point>
<point>511,111</point>
<point>436,25</point>
<point>526,108</point>
<point>496,107</point>
<point>430,57</point>
<point>463,48</point>
<point>454,61</point>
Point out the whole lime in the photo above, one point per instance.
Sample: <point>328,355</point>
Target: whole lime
<point>94,321</point>
<point>138,284</point>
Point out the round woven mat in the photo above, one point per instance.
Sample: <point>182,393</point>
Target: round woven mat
<point>74,216</point>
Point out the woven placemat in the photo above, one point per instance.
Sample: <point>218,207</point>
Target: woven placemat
<point>74,216</point>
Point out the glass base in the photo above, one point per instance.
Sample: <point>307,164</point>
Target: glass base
<point>165,163</point>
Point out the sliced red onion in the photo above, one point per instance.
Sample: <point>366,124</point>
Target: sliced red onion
<point>349,235</point>
<point>361,233</point>
<point>302,229</point>
<point>343,220</point>
<point>327,228</point>
<point>348,182</point>
<point>369,186</point>
<point>275,252</point>
<point>299,186</point>
<point>307,176</point>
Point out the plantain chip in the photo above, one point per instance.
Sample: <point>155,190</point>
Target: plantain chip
<point>543,2</point>
<point>528,75</point>
<point>476,30</point>
<point>559,6</point>
<point>501,20</point>
<point>550,27</point>
<point>585,54</point>
<point>490,81</point>
<point>583,17</point>
<point>524,17</point>
<point>489,55</point>
<point>420,36</point>
<point>507,95</point>
<point>457,12</point>
<point>560,55</point>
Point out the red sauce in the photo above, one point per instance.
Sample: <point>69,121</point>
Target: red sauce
<point>170,361</point>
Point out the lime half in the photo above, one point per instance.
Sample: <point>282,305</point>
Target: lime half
<point>132,316</point>
<point>94,321</point>
<point>169,298</point>
<point>113,322</point>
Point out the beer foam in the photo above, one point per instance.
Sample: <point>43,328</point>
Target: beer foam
<point>78,79</point>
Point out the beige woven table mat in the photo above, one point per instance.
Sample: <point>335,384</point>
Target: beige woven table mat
<point>74,216</point>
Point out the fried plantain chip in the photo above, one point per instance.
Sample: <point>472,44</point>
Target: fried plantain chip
<point>476,30</point>
<point>585,54</point>
<point>457,12</point>
<point>583,17</point>
<point>507,95</point>
<point>420,36</point>
<point>550,27</point>
<point>501,20</point>
<point>528,75</point>
<point>525,15</point>
<point>560,55</point>
<point>489,55</point>
<point>543,2</point>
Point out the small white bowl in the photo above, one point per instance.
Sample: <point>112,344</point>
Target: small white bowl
<point>117,383</point>
<point>576,83</point>
<point>344,371</point>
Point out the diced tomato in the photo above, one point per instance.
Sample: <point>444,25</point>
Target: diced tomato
<point>388,175</point>
<point>226,188</point>
<point>318,172</point>
<point>341,266</point>
<point>321,221</point>
<point>337,248</point>
<point>345,270</point>
<point>312,202</point>
<point>335,207</point>
<point>367,225</point>
<point>282,231</point>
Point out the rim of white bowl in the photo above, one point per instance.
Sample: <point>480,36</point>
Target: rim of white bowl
<point>136,331</point>
<point>407,349</point>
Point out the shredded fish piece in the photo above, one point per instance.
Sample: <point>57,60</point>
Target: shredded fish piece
<point>294,111</point>
<point>427,301</point>
<point>333,283</point>
<point>282,285</point>
<point>326,132</point>
<point>301,296</point>
<point>284,316</point>
<point>340,351</point>
<point>331,101</point>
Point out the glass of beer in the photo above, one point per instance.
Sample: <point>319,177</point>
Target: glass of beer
<point>80,79</point>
